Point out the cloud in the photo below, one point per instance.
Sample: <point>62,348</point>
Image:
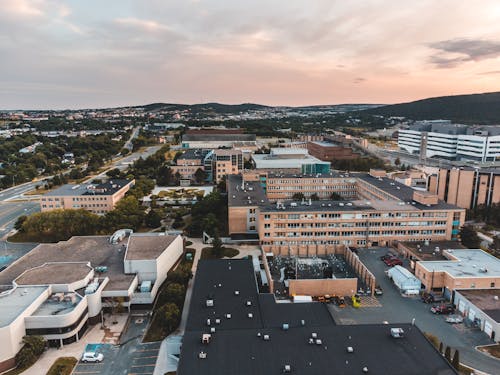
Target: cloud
<point>141,24</point>
<point>454,52</point>
<point>491,72</point>
<point>359,80</point>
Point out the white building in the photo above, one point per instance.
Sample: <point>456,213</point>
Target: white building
<point>45,296</point>
<point>290,158</point>
<point>482,308</point>
<point>442,139</point>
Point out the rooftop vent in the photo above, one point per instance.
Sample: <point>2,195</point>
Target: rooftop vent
<point>208,322</point>
<point>212,329</point>
<point>205,338</point>
<point>217,321</point>
<point>319,342</point>
<point>249,303</point>
<point>314,335</point>
<point>350,349</point>
<point>287,369</point>
<point>365,369</point>
<point>202,355</point>
<point>228,316</point>
<point>250,315</point>
<point>210,303</point>
<point>266,338</point>
<point>397,333</point>
<point>285,326</point>
<point>236,292</point>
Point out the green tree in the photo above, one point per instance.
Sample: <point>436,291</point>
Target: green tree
<point>217,247</point>
<point>153,219</point>
<point>170,314</point>
<point>336,196</point>
<point>20,221</point>
<point>128,213</point>
<point>314,197</point>
<point>200,176</point>
<point>456,360</point>
<point>447,354</point>
<point>298,196</point>
<point>469,237</point>
<point>113,173</point>
<point>165,176</point>
<point>494,247</point>
<point>180,275</point>
<point>36,343</point>
<point>25,357</point>
<point>175,293</point>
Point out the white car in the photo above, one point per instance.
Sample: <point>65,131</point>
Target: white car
<point>454,319</point>
<point>92,357</point>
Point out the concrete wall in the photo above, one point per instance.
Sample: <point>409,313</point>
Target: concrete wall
<point>320,287</point>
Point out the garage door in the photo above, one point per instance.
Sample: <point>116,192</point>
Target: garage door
<point>488,329</point>
<point>472,315</point>
<point>461,306</point>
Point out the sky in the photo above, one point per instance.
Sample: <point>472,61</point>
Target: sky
<point>57,54</point>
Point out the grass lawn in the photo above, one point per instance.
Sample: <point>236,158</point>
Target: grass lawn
<point>62,366</point>
<point>493,350</point>
<point>229,252</point>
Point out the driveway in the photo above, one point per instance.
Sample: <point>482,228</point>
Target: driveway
<point>395,308</point>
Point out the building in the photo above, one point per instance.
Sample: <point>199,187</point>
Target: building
<point>217,138</point>
<point>215,163</point>
<point>190,161</point>
<point>482,308</point>
<point>290,159</point>
<point>225,163</point>
<point>96,198</point>
<point>57,290</point>
<point>357,210</point>
<point>466,187</point>
<point>234,329</point>
<point>442,139</point>
<point>329,151</point>
<point>462,269</point>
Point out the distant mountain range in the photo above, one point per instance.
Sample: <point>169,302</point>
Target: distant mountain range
<point>466,109</point>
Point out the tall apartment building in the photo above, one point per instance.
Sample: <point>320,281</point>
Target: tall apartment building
<point>374,211</point>
<point>442,139</point>
<point>225,163</point>
<point>97,198</point>
<point>466,187</point>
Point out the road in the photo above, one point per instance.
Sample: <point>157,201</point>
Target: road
<point>128,145</point>
<point>10,211</point>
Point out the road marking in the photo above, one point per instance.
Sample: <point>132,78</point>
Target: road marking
<point>148,365</point>
<point>87,372</point>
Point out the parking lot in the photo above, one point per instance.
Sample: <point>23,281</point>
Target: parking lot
<point>130,357</point>
<point>394,308</point>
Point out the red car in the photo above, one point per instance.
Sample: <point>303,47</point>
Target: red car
<point>442,309</point>
<point>391,262</point>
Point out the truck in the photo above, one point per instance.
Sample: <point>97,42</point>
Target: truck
<point>432,298</point>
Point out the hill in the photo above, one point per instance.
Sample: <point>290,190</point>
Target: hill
<point>204,107</point>
<point>466,109</point>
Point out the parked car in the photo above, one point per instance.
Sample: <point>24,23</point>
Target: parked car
<point>454,319</point>
<point>386,256</point>
<point>378,291</point>
<point>391,262</point>
<point>432,298</point>
<point>442,309</point>
<point>92,357</point>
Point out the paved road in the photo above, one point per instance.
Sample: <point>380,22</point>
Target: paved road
<point>10,211</point>
<point>129,145</point>
<point>398,309</point>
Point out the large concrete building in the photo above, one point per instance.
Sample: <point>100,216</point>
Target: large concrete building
<point>466,187</point>
<point>462,269</point>
<point>234,329</point>
<point>57,290</point>
<point>373,210</point>
<point>217,138</point>
<point>442,139</point>
<point>97,198</point>
<point>290,159</point>
<point>330,151</point>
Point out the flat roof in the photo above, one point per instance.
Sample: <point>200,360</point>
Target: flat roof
<point>147,246</point>
<point>107,188</point>
<point>238,346</point>
<point>428,252</point>
<point>325,144</point>
<point>468,263</point>
<point>249,193</point>
<point>488,300</point>
<point>194,153</point>
<point>54,273</point>
<point>94,249</point>
<point>269,161</point>
<point>14,301</point>
<point>50,307</point>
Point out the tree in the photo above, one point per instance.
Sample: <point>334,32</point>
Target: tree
<point>113,173</point>
<point>128,213</point>
<point>165,176</point>
<point>314,197</point>
<point>469,237</point>
<point>153,219</point>
<point>20,221</point>
<point>397,162</point>
<point>170,315</point>
<point>25,357</point>
<point>36,343</point>
<point>336,196</point>
<point>217,249</point>
<point>456,360</point>
<point>175,293</point>
<point>494,247</point>
<point>200,176</point>
<point>447,354</point>
<point>298,196</point>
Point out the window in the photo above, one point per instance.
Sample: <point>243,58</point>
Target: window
<point>492,285</point>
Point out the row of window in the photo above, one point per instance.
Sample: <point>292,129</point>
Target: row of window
<point>359,233</point>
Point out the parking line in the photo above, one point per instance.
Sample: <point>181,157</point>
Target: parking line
<point>153,364</point>
<point>87,372</point>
